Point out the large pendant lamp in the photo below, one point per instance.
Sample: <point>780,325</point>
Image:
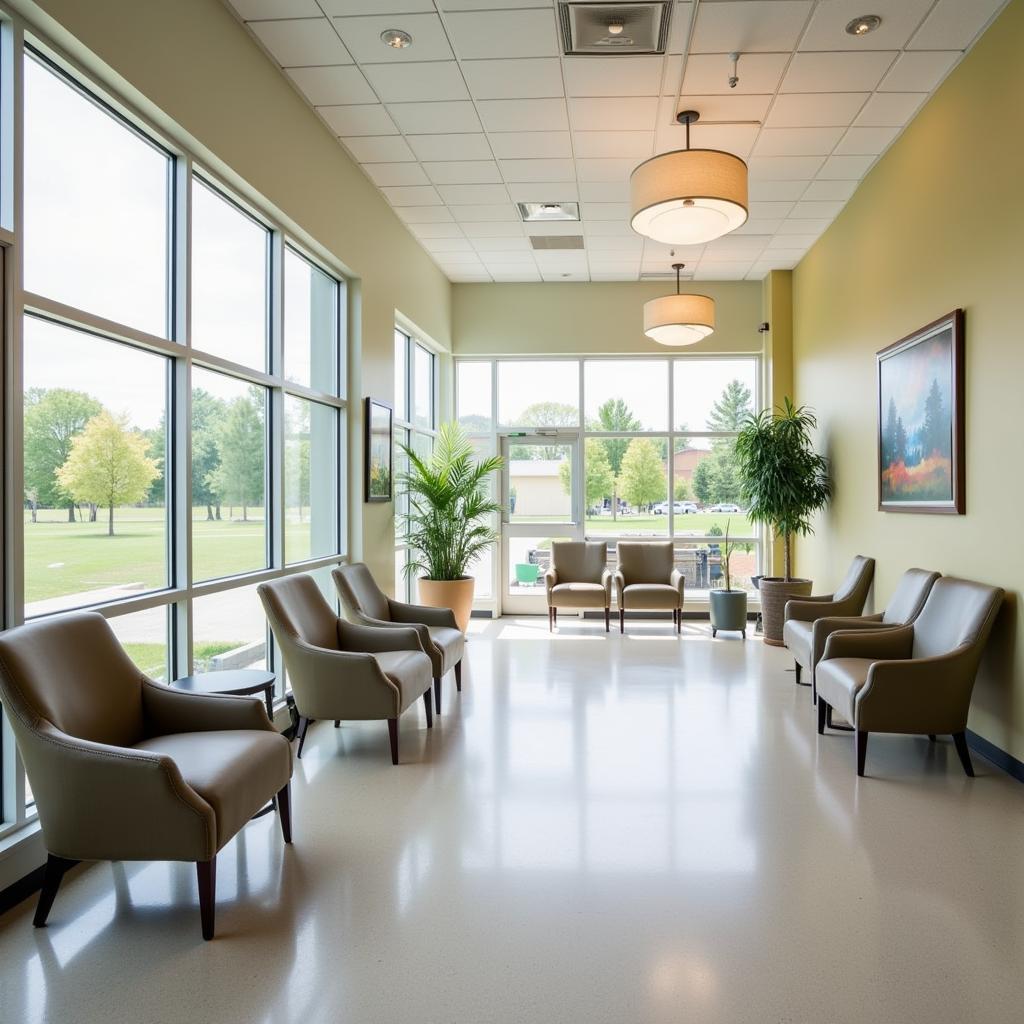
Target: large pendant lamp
<point>679,319</point>
<point>688,196</point>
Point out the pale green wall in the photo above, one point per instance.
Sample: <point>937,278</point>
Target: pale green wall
<point>939,223</point>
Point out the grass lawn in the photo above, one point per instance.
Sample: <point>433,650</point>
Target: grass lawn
<point>699,524</point>
<point>152,658</point>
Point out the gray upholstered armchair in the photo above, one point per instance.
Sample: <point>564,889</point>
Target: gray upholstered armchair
<point>911,679</point>
<point>339,670</point>
<point>578,577</point>
<point>440,636</point>
<point>646,580</point>
<point>123,768</point>
<point>801,613</point>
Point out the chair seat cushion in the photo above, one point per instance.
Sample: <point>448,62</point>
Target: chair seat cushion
<point>578,595</point>
<point>235,771</point>
<point>839,681</point>
<point>798,636</point>
<point>651,596</point>
<point>450,643</point>
<point>410,671</point>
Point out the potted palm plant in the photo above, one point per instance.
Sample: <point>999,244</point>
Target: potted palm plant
<point>728,606</point>
<point>447,522</point>
<point>785,481</point>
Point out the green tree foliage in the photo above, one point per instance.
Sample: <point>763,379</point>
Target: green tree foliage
<point>894,437</point>
<point>702,485</point>
<point>732,408</point>
<point>599,479</point>
<point>543,414</point>
<point>681,490</point>
<point>936,437</point>
<point>239,439</point>
<point>108,465</point>
<point>208,413</point>
<point>642,480</point>
<point>615,415</point>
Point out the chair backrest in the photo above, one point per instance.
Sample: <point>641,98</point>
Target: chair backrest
<point>646,561</point>
<point>857,583</point>
<point>359,591</point>
<point>957,613</point>
<point>71,671</point>
<point>579,561</point>
<point>297,610</point>
<point>909,596</point>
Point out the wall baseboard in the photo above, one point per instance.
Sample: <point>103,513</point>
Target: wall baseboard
<point>1000,758</point>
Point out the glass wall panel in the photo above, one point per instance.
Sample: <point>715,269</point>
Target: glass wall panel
<point>538,393</point>
<point>713,394</point>
<point>473,390</point>
<point>626,486</point>
<point>310,324</point>
<point>229,631</point>
<point>310,479</point>
<point>401,376</point>
<point>423,387</point>
<point>540,483</point>
<point>625,394</point>
<point>144,637</point>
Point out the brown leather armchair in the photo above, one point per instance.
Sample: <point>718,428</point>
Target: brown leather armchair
<point>123,768</point>
<point>578,578</point>
<point>339,670</point>
<point>646,580</point>
<point>911,679</point>
<point>801,613</point>
<point>440,636</point>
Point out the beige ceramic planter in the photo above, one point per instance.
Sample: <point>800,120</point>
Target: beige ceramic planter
<point>454,594</point>
<point>775,592</point>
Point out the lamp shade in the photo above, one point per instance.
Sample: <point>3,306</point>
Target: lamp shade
<point>688,196</point>
<point>679,319</point>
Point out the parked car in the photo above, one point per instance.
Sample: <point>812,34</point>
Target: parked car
<point>725,506</point>
<point>681,508</point>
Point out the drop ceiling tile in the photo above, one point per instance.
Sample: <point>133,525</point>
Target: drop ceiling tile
<point>628,113</point>
<point>715,108</point>
<point>749,26</point>
<point>396,174</point>
<point>797,141</point>
<point>866,141</point>
<point>735,246</point>
<point>301,42</point>
<point>769,209</point>
<point>616,243</point>
<point>603,228</point>
<point>450,147</point>
<point>605,170</point>
<point>827,28</point>
<point>435,118</point>
<point>830,190</point>
<point>523,115</point>
<point>636,145</point>
<point>526,78</point>
<point>493,229</point>
<point>379,149</point>
<point>360,120</point>
<point>919,72</point>
<point>323,86</point>
<point>553,227</point>
<point>436,230</point>
<point>803,226</point>
<point>531,145</point>
<point>709,73</point>
<point>510,243</point>
<point>362,37</point>
<point>721,272</point>
<point>565,276</point>
<point>495,34</point>
<point>252,9</point>
<point>412,195</point>
<point>425,214</point>
<point>815,110</point>
<point>415,82</point>
<point>660,255</point>
<point>760,225</point>
<point>795,242</point>
<point>525,275</point>
<point>837,72</point>
<point>604,191</point>
<point>732,138</point>
<point>679,27</point>
<point>846,168</point>
<point>606,211</point>
<point>347,8</point>
<point>463,172</point>
<point>784,168</point>
<point>544,192</point>
<point>537,170</point>
<point>458,277</point>
<point>447,245</point>
<point>953,24</point>
<point>484,212</point>
<point>465,260</point>
<point>473,195</point>
<point>508,260</point>
<point>890,108</point>
<point>613,76</point>
<point>816,209</point>
<point>776,191</point>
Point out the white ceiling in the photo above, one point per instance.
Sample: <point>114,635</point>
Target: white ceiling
<point>483,111</point>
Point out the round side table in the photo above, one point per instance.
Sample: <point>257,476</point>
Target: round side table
<point>242,682</point>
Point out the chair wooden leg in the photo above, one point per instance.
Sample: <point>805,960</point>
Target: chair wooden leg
<point>862,751</point>
<point>206,871</point>
<point>304,724</point>
<point>607,619</point>
<point>53,875</point>
<point>622,620</point>
<point>437,694</point>
<point>799,674</point>
<point>822,716</point>
<point>337,723</point>
<point>551,619</point>
<point>393,737</point>
<point>679,621</point>
<point>960,741</point>
<point>284,812</point>
<point>554,616</point>
<point>429,708</point>
<point>458,675</point>
<point>932,738</point>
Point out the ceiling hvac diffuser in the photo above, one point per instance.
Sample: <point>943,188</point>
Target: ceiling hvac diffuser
<point>607,29</point>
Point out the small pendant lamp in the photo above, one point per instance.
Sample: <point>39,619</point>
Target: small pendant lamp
<point>679,319</point>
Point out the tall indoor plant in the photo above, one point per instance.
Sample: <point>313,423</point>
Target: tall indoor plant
<point>447,529</point>
<point>785,481</point>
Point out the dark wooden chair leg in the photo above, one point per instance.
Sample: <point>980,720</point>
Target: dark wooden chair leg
<point>437,694</point>
<point>429,708</point>
<point>799,674</point>
<point>53,875</point>
<point>337,723</point>
<point>622,620</point>
<point>206,871</point>
<point>960,741</point>
<point>554,615</point>
<point>679,621</point>
<point>607,620</point>
<point>822,717</point>
<point>393,737</point>
<point>551,619</point>
<point>458,675</point>
<point>862,751</point>
<point>304,724</point>
<point>932,738</point>
<point>284,812</point>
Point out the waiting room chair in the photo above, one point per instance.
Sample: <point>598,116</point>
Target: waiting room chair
<point>646,580</point>
<point>339,670</point>
<point>911,679</point>
<point>578,578</point>
<point>123,768</point>
<point>439,634</point>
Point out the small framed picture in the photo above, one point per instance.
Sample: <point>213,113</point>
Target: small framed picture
<point>377,463</point>
<point>921,420</point>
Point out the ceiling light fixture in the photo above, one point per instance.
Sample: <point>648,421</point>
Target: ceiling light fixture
<point>615,28</point>
<point>549,211</point>
<point>679,319</point>
<point>396,38</point>
<point>863,25</point>
<point>688,196</point>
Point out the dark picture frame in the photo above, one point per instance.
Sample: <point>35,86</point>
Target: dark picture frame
<point>377,450</point>
<point>920,407</point>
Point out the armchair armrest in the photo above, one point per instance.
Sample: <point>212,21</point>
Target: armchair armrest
<point>824,628</point>
<point>422,614</point>
<point>378,639</point>
<point>606,582</point>
<point>381,624</point>
<point>619,577</point>
<point>678,580</point>
<point>167,710</point>
<point>877,644</point>
<point>550,581</point>
<point>807,609</point>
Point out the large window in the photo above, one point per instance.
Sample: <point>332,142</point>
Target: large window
<point>310,324</point>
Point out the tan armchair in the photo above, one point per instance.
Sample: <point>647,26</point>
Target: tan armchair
<point>801,613</point>
<point>123,768</point>
<point>578,578</point>
<point>646,580</point>
<point>339,670</point>
<point>439,634</point>
<point>911,679</point>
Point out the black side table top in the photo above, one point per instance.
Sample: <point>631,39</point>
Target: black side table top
<point>239,681</point>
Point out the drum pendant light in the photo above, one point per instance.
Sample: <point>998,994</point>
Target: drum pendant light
<point>679,319</point>
<point>688,196</point>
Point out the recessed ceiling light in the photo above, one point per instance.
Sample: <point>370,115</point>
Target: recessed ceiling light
<point>396,38</point>
<point>615,28</point>
<point>549,211</point>
<point>863,25</point>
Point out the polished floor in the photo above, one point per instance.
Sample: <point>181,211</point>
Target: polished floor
<point>599,829</point>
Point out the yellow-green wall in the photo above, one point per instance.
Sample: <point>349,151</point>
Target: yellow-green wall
<point>937,224</point>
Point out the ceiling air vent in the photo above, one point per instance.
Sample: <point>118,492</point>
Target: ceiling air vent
<point>549,242</point>
<point>608,29</point>
<point>664,275</point>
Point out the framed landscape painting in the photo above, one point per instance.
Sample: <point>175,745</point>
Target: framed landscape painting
<point>921,420</point>
<point>377,468</point>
